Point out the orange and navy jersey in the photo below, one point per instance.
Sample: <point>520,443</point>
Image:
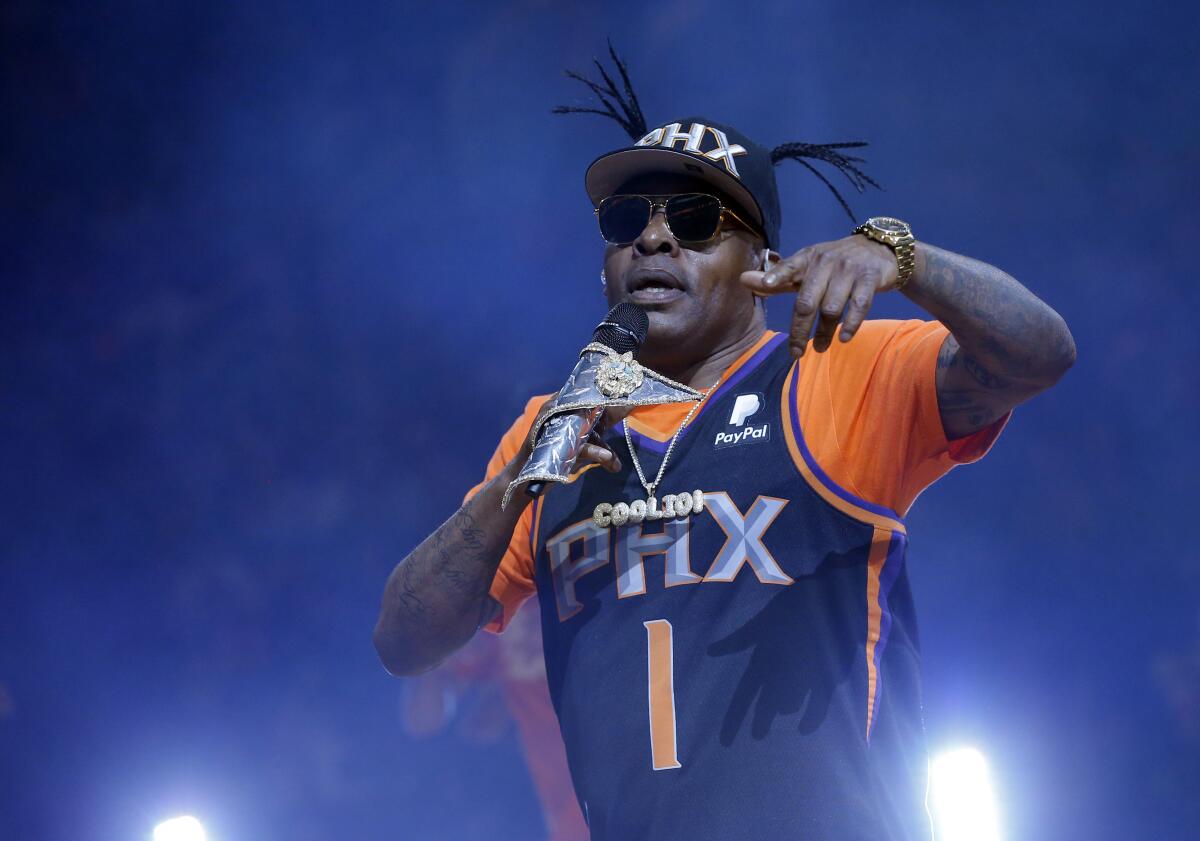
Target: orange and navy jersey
<point>752,669</point>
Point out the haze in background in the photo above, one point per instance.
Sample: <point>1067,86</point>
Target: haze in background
<point>276,276</point>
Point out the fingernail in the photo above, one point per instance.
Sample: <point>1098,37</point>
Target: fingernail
<point>845,335</point>
<point>768,280</point>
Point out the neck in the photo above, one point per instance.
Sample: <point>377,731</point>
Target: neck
<point>702,373</point>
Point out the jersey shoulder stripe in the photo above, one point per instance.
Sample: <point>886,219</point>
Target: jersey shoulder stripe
<point>837,496</point>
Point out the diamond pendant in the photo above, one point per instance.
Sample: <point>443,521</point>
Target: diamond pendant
<point>673,505</point>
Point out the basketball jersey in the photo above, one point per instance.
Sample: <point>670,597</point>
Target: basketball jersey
<point>750,670</point>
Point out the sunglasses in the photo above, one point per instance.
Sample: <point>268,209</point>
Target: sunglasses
<point>690,217</point>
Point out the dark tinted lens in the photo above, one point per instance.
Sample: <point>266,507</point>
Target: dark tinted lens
<point>693,216</point>
<point>623,218</point>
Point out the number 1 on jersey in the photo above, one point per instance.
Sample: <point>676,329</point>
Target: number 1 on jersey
<point>660,668</point>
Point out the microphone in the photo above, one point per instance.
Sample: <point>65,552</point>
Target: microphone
<point>562,437</point>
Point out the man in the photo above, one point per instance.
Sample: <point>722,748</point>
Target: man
<point>746,664</point>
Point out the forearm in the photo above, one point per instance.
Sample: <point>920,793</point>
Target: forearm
<point>437,597</point>
<point>1006,333</point>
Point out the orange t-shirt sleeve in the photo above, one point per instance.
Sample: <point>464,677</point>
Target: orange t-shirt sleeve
<point>513,582</point>
<point>870,413</point>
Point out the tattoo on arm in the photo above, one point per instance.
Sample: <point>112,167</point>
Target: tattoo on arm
<point>456,553</point>
<point>995,318</point>
<point>437,597</point>
<point>473,538</point>
<point>1012,344</point>
<point>458,547</point>
<point>958,408</point>
<point>982,375</point>
<point>409,596</point>
<point>969,396</point>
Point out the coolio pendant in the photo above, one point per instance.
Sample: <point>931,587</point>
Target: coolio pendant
<point>673,505</point>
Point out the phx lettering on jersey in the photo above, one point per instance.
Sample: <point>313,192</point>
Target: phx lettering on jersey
<point>585,547</point>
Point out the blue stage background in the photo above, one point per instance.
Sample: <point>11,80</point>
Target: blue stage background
<point>276,276</point>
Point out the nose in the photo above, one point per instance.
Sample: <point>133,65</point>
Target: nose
<point>656,237</point>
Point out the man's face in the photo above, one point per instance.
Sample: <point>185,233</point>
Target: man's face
<point>690,291</point>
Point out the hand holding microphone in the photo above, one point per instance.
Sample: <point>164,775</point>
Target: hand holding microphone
<point>594,450</point>
<point>564,438</point>
<point>606,377</point>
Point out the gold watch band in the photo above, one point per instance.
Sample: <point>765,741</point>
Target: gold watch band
<point>906,261</point>
<point>902,245</point>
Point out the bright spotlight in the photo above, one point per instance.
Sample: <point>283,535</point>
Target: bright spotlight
<point>963,806</point>
<point>184,828</point>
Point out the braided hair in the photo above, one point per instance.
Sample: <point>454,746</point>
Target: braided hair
<point>620,104</point>
<point>623,109</point>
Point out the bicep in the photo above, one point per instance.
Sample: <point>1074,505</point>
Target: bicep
<point>970,397</point>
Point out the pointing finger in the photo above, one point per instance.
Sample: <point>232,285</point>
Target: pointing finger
<point>831,311</point>
<point>860,302</point>
<point>787,274</point>
<point>784,276</point>
<point>753,282</point>
<point>804,310</point>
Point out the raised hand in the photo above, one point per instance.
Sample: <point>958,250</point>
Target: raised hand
<point>834,282</point>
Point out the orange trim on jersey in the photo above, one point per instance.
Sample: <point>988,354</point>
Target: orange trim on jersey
<point>571,478</point>
<point>660,694</point>
<point>880,541</point>
<point>826,493</point>
<point>670,420</point>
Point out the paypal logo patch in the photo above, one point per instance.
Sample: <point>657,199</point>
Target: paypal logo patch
<point>738,431</point>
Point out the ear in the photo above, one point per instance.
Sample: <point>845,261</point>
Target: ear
<point>760,258</point>
<point>760,261</point>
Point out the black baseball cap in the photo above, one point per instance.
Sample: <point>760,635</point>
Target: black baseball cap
<point>703,149</point>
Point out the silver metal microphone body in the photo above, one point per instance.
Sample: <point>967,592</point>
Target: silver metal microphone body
<point>563,436</point>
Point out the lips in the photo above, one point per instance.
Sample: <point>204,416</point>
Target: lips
<point>652,285</point>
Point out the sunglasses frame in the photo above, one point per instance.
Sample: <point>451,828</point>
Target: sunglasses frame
<point>658,202</point>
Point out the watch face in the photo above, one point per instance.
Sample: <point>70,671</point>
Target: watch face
<point>888,225</point>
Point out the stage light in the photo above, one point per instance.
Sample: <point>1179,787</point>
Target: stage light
<point>185,828</point>
<point>963,806</point>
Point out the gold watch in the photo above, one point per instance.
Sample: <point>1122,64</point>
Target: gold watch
<point>896,235</point>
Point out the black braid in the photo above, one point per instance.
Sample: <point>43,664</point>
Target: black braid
<point>828,153</point>
<point>629,117</point>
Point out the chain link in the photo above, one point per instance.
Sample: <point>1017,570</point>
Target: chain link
<point>650,486</point>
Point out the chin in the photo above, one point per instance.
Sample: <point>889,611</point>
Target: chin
<point>667,333</point>
<point>665,326</point>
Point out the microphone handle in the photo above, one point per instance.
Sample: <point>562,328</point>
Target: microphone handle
<point>584,420</point>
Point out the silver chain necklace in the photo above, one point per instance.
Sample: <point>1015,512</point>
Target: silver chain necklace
<point>650,486</point>
<point>673,505</point>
